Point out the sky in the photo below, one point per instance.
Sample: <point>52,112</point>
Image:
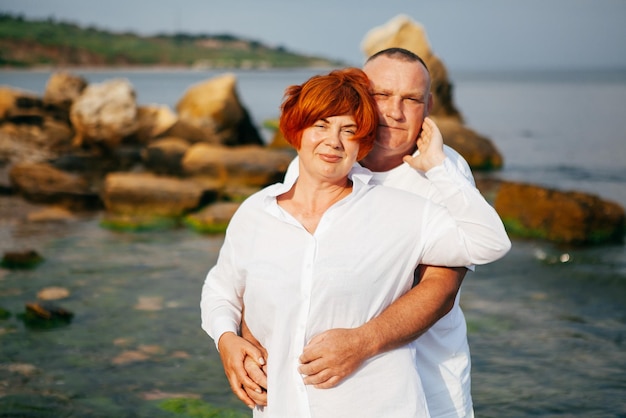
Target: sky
<point>468,35</point>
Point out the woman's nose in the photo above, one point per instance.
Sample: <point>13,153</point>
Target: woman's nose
<point>333,139</point>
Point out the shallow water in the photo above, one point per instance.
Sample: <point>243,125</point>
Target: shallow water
<point>130,293</point>
<point>547,327</point>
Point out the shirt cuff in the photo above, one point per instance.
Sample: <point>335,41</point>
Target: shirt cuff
<point>222,325</point>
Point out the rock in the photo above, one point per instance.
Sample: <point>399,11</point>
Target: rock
<point>149,303</point>
<point>48,311</point>
<point>478,151</point>
<point>104,114</point>
<point>213,218</point>
<point>130,356</point>
<point>44,141</point>
<point>249,165</point>
<point>24,369</point>
<point>18,106</point>
<point>53,293</point>
<point>165,155</point>
<point>152,122</point>
<point>7,100</point>
<point>51,214</point>
<point>31,131</point>
<point>21,259</point>
<point>63,89</point>
<point>559,216</point>
<point>42,183</point>
<point>278,141</point>
<point>4,314</point>
<point>403,32</point>
<point>147,193</point>
<point>190,132</point>
<point>215,108</point>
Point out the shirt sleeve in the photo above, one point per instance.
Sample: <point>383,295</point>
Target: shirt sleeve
<point>478,230</point>
<point>462,167</point>
<point>221,302</point>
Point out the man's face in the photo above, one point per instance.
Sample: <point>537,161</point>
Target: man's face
<point>401,90</point>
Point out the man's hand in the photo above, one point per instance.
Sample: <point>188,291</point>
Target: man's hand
<point>332,356</point>
<point>430,146</point>
<point>233,350</point>
<point>337,353</point>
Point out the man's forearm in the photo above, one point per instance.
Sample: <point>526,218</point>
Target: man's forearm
<point>415,312</point>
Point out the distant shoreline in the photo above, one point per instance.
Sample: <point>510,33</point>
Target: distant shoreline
<point>155,68</point>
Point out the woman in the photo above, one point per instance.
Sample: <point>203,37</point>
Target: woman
<point>325,249</point>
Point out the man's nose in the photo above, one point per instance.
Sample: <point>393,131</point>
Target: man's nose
<point>393,108</point>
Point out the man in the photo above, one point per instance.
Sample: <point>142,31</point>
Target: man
<point>401,86</point>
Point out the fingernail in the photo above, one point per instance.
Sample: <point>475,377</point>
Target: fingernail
<point>261,361</point>
<point>251,406</point>
<point>258,390</point>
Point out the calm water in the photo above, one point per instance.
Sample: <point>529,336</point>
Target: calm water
<point>547,325</point>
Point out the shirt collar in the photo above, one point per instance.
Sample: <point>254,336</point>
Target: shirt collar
<point>357,172</point>
<point>359,175</point>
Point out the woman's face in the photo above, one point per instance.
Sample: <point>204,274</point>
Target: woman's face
<point>328,149</point>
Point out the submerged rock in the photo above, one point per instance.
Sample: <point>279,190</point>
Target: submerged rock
<point>53,293</point>
<point>45,315</point>
<point>21,259</point>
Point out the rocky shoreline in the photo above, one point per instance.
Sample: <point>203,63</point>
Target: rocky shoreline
<point>90,147</point>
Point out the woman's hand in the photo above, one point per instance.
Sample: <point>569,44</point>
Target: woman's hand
<point>233,351</point>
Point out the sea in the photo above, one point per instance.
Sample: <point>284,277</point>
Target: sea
<point>546,324</point>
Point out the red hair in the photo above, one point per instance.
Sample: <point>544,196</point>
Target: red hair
<point>341,92</point>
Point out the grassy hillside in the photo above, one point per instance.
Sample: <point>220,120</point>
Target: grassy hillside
<point>29,43</point>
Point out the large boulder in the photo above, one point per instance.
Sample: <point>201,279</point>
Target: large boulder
<point>43,141</point>
<point>404,32</point>
<point>250,165</point>
<point>566,217</point>
<point>147,193</point>
<point>153,121</point>
<point>43,183</point>
<point>165,155</point>
<point>215,108</point>
<point>478,151</point>
<point>104,114</point>
<point>63,88</point>
<point>30,129</point>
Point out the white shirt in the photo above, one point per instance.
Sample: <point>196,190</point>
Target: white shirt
<point>361,257</point>
<point>442,352</point>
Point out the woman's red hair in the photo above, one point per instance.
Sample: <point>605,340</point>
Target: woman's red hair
<point>341,92</point>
